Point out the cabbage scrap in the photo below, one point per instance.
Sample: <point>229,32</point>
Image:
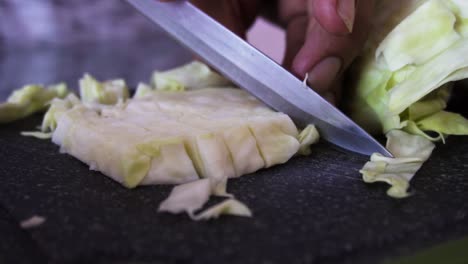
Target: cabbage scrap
<point>228,207</point>
<point>308,136</point>
<point>187,197</point>
<point>194,75</point>
<point>108,92</point>
<point>37,134</point>
<point>190,197</point>
<point>29,100</point>
<point>410,152</point>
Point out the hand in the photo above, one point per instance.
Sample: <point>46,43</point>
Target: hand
<point>322,36</point>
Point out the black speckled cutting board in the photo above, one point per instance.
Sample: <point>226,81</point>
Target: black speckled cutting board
<point>313,209</point>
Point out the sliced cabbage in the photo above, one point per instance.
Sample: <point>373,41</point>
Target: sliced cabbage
<point>308,136</point>
<point>193,75</point>
<point>173,138</point>
<point>190,129</point>
<point>190,197</point>
<point>37,134</point>
<point>108,92</point>
<point>410,152</point>
<point>28,100</point>
<point>228,207</point>
<point>197,138</point>
<point>402,82</point>
<point>187,197</point>
<point>57,108</point>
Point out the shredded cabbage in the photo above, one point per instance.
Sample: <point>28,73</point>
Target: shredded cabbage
<point>187,197</point>
<point>108,92</point>
<point>193,75</point>
<point>228,207</point>
<point>410,152</point>
<point>28,100</point>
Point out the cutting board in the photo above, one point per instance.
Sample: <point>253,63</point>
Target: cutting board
<point>314,209</point>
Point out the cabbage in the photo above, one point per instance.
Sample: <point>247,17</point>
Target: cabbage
<point>193,75</point>
<point>177,137</point>
<point>143,90</point>
<point>187,197</point>
<point>190,197</point>
<point>196,138</point>
<point>228,207</point>
<point>28,100</point>
<point>410,152</point>
<point>108,92</point>
<point>402,80</point>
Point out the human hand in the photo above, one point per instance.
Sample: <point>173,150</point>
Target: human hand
<point>322,36</point>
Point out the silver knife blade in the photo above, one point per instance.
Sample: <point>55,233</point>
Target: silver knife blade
<point>257,73</point>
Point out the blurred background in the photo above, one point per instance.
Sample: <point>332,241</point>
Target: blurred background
<point>47,41</point>
<point>69,22</point>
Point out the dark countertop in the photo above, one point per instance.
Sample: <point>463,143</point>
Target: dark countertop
<point>313,209</point>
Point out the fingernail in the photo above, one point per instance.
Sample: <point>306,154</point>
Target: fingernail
<point>322,76</point>
<point>347,10</point>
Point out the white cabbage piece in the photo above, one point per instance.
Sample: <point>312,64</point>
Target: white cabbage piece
<point>187,197</point>
<point>193,75</point>
<point>190,197</point>
<point>108,92</point>
<point>228,207</point>
<point>29,100</point>
<point>308,136</point>
<point>109,147</point>
<point>32,222</point>
<point>173,138</point>
<point>409,151</point>
<point>57,107</point>
<point>37,134</point>
<point>409,42</point>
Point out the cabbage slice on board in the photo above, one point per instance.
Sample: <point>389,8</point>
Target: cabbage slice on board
<point>190,128</point>
<point>193,138</point>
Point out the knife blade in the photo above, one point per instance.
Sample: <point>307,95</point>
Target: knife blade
<point>257,73</point>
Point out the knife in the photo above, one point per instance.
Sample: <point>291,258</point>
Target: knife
<point>257,73</point>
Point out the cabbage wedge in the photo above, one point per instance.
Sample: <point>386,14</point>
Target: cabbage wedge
<point>402,81</point>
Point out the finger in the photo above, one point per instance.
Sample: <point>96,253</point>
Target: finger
<point>295,37</point>
<point>335,16</point>
<point>325,55</point>
<point>334,94</point>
